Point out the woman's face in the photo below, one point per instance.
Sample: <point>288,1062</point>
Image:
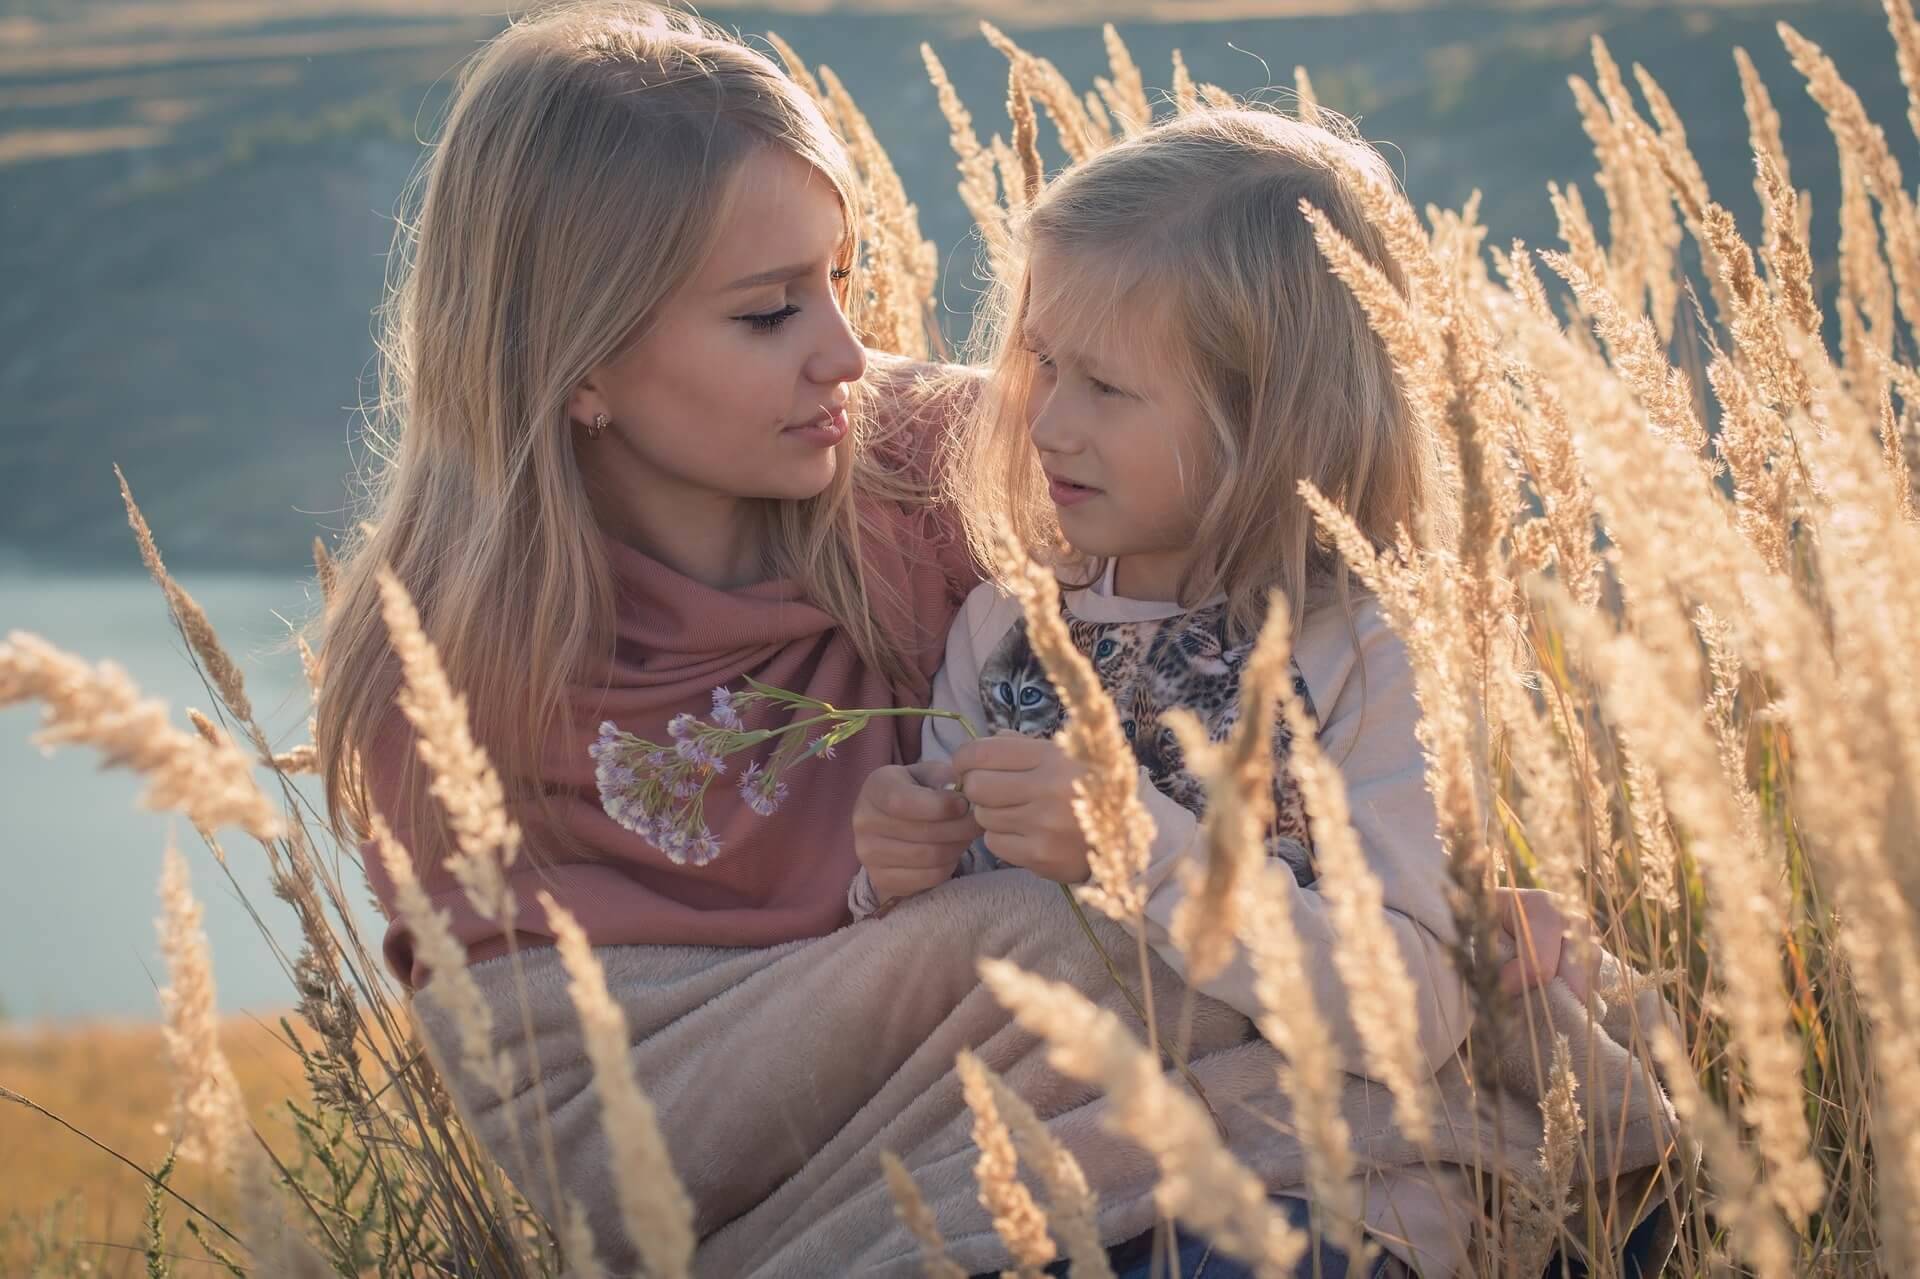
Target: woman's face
<point>738,390</point>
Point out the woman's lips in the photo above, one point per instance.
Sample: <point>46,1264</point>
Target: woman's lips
<point>1067,493</point>
<point>824,431</point>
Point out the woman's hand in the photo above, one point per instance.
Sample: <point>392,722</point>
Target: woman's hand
<point>1022,793</point>
<point>908,832</point>
<point>1547,943</point>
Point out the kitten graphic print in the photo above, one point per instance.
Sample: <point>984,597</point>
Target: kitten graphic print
<point>1148,667</point>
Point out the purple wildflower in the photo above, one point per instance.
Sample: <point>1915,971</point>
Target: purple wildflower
<point>683,726</point>
<point>673,842</point>
<point>761,790</point>
<point>724,714</point>
<point>698,750</point>
<point>703,849</point>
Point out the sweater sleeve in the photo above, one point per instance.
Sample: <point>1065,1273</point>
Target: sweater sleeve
<point>1365,696</point>
<point>983,619</point>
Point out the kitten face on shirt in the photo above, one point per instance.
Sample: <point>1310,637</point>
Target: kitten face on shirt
<point>1126,451</point>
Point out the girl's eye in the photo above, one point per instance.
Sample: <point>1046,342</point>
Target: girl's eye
<point>1105,388</point>
<point>840,273</point>
<point>768,321</point>
<point>1041,358</point>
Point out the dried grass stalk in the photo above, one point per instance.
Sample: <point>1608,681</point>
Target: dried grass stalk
<point>653,1205</point>
<point>1753,1225</point>
<point>1017,1218</point>
<point>1126,93</point>
<point>1106,800</point>
<point>445,959</point>
<point>1186,97</point>
<point>211,782</point>
<point>325,570</point>
<point>918,1219</point>
<point>1200,1181</point>
<point>1541,1202</point>
<point>979,187</point>
<point>1074,1205</point>
<point>209,1118</point>
<point>464,780</point>
<point>1306,102</point>
<point>187,613</point>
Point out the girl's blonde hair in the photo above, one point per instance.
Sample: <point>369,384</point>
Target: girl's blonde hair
<point>1191,232</point>
<point>585,162</point>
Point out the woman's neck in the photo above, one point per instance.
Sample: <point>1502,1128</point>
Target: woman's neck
<point>712,538</point>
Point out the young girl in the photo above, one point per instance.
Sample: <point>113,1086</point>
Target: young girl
<point>1174,359</point>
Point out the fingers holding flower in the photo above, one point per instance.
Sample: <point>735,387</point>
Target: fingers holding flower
<point>1021,789</point>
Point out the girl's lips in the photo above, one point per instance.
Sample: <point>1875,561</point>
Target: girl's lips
<point>824,431</point>
<point>1067,493</point>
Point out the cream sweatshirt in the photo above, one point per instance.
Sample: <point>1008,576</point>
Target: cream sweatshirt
<point>1358,681</point>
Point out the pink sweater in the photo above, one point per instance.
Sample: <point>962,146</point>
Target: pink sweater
<point>779,878</point>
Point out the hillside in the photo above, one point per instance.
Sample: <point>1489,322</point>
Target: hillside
<point>198,198</point>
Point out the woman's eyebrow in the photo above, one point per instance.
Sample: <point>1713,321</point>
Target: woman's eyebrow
<point>778,275</point>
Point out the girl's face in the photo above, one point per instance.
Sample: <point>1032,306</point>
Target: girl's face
<point>738,390</point>
<point>1123,447</point>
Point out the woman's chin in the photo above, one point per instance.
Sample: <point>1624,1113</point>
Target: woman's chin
<point>803,477</point>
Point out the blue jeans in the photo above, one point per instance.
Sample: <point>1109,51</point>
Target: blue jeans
<point>1200,1260</point>
<point>1646,1251</point>
<point>1138,1259</point>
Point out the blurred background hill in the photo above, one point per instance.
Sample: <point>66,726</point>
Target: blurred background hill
<point>196,198</point>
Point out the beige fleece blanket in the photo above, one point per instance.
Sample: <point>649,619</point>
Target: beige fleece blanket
<point>781,1074</point>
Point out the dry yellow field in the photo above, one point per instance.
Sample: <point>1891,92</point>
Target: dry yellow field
<point>110,1081</point>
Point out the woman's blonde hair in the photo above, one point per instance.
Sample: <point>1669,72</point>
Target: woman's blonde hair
<point>1191,232</point>
<point>586,159</point>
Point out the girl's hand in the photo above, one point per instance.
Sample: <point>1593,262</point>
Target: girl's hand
<point>1022,793</point>
<point>1547,944</point>
<point>908,832</point>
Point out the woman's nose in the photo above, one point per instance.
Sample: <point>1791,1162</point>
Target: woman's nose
<point>840,357</point>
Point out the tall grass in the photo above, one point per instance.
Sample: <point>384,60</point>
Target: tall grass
<point>1665,664</point>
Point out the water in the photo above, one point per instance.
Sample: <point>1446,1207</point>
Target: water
<point>79,859</point>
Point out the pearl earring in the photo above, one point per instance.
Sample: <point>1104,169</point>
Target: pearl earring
<point>599,426</point>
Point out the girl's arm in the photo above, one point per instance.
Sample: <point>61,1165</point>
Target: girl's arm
<point>982,620</point>
<point>1365,697</point>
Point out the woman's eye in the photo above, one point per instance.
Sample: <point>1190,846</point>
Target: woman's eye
<point>767,321</point>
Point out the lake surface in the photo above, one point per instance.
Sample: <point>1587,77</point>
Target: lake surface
<point>79,859</point>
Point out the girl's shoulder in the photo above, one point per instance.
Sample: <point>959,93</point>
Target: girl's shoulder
<point>1349,654</point>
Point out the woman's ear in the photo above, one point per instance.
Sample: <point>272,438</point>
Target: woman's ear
<point>587,403</point>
